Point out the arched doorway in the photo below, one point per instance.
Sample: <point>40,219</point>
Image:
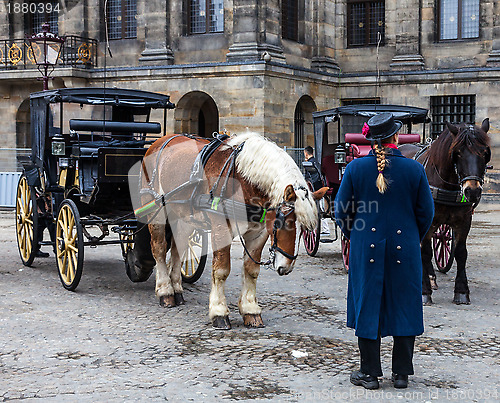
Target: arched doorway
<point>303,122</point>
<point>196,113</point>
<point>23,126</point>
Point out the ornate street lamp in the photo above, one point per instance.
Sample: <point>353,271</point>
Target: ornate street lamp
<point>45,47</point>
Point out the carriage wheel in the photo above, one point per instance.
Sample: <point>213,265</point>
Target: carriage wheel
<point>69,245</point>
<point>26,221</point>
<point>345,244</point>
<point>311,238</point>
<point>443,245</point>
<point>194,258</point>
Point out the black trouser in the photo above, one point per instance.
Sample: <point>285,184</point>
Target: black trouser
<point>402,355</point>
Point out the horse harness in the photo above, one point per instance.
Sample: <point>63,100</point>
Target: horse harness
<point>444,196</point>
<point>209,203</point>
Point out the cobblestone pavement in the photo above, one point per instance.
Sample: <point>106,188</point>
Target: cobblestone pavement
<point>111,341</point>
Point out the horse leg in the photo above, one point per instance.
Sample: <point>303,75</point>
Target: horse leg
<point>175,275</point>
<point>248,306</point>
<point>426,250</point>
<point>462,293</point>
<point>159,248</point>
<point>218,310</point>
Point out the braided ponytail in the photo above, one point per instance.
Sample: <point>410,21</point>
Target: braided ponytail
<point>381,163</point>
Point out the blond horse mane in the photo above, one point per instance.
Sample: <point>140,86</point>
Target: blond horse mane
<point>271,169</point>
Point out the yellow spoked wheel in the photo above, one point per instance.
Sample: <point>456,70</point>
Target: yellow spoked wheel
<point>127,243</point>
<point>194,258</point>
<point>69,245</point>
<point>26,221</point>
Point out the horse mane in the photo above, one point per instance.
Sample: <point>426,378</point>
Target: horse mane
<point>271,169</point>
<point>447,143</point>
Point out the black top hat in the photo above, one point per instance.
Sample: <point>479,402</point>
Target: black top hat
<point>382,126</point>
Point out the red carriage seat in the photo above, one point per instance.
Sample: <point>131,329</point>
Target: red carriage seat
<point>362,146</point>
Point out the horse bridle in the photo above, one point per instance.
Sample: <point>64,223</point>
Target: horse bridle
<point>279,223</point>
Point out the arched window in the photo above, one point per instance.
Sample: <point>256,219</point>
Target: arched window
<point>303,122</point>
<point>205,16</point>
<point>122,19</point>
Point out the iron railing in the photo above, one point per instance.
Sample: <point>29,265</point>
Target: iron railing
<point>76,51</point>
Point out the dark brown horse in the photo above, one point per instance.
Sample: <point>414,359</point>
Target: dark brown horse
<point>455,164</point>
<point>266,177</point>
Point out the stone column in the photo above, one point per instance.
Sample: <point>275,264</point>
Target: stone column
<point>256,30</point>
<point>494,57</point>
<point>156,20</point>
<point>407,25</point>
<point>324,36</point>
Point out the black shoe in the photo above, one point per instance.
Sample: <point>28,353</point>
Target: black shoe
<point>366,381</point>
<point>400,381</point>
<point>39,253</point>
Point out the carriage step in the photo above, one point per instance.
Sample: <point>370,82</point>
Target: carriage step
<point>327,240</point>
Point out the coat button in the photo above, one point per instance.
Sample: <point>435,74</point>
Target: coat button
<point>372,261</point>
<point>398,261</point>
<point>398,232</point>
<point>398,247</point>
<point>372,245</point>
<point>374,229</point>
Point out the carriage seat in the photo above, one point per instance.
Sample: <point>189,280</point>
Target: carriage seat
<point>331,172</point>
<point>86,125</point>
<point>362,146</point>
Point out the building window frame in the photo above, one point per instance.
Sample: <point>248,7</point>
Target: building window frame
<point>456,19</point>
<point>290,19</point>
<point>124,18</point>
<point>363,13</point>
<point>451,108</point>
<point>211,22</point>
<point>42,15</point>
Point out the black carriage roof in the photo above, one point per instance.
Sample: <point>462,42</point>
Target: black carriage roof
<point>108,96</point>
<point>403,113</point>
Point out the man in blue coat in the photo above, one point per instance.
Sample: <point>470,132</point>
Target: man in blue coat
<point>384,206</point>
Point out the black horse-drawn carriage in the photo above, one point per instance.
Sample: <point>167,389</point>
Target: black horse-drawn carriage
<point>337,141</point>
<point>76,182</point>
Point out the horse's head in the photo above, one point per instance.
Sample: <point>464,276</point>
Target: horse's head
<point>283,228</point>
<point>470,152</point>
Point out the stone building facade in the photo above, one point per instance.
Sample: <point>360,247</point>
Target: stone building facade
<point>267,65</point>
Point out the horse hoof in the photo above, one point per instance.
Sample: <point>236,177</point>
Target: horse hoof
<point>461,299</point>
<point>221,323</point>
<point>250,320</point>
<point>167,301</point>
<point>427,300</point>
<point>434,284</point>
<point>179,299</point>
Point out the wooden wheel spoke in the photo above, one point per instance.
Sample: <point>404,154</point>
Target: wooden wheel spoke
<point>73,248</point>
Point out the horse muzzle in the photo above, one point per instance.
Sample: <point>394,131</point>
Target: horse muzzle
<point>284,270</point>
<point>472,190</point>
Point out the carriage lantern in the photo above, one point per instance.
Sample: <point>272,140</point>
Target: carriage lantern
<point>340,155</point>
<point>46,47</point>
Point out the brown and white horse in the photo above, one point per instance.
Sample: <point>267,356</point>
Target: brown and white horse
<point>266,177</point>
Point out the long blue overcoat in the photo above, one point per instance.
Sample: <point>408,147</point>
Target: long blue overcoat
<point>385,268</point>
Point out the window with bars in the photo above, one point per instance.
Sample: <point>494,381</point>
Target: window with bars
<point>201,21</point>
<point>451,108</point>
<point>47,11</point>
<point>458,19</point>
<point>290,19</point>
<point>122,19</point>
<point>366,23</point>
